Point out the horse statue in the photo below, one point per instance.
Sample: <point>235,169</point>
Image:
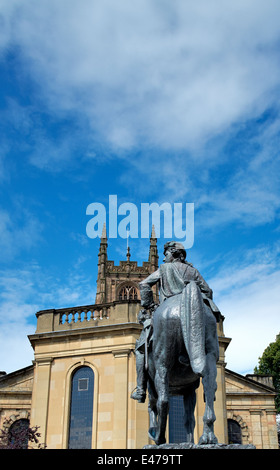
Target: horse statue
<point>178,345</point>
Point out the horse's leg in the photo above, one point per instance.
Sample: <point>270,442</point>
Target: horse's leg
<point>152,408</point>
<point>210,387</point>
<point>209,379</point>
<point>161,385</point>
<point>189,419</point>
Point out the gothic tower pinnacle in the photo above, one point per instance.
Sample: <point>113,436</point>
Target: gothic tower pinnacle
<point>102,261</point>
<point>153,253</point>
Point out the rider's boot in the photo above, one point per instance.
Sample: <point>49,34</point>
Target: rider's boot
<point>139,394</point>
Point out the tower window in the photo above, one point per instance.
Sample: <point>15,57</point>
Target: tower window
<point>128,293</point>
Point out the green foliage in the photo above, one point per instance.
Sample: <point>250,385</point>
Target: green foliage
<point>269,364</point>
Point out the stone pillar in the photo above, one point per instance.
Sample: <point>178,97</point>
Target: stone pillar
<point>272,429</point>
<point>256,428</point>
<point>120,399</point>
<point>138,415</point>
<point>40,396</point>
<point>220,425</point>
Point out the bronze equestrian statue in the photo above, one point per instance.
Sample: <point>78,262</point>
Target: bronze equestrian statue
<point>178,345</point>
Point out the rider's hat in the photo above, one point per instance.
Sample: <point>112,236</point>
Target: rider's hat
<point>176,246</point>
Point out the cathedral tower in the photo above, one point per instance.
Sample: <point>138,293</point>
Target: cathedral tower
<point>120,283</point>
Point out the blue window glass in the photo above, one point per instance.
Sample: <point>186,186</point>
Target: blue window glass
<point>80,429</point>
<point>177,431</point>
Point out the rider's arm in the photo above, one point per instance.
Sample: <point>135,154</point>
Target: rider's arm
<point>205,289</point>
<point>146,292</point>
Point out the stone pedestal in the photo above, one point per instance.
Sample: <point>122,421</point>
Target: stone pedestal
<point>185,445</point>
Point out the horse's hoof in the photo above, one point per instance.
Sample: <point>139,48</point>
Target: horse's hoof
<point>152,433</point>
<point>208,438</point>
<point>159,441</point>
<point>203,440</point>
<point>212,438</point>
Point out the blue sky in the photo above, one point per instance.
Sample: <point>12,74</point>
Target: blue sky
<point>153,101</point>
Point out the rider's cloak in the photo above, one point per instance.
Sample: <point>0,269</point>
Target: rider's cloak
<point>196,296</point>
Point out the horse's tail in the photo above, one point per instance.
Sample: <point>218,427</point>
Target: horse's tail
<point>193,326</point>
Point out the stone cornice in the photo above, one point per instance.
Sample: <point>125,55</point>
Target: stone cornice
<point>99,330</point>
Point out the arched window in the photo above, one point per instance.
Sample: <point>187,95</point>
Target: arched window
<point>128,293</point>
<point>234,432</point>
<point>18,434</point>
<point>81,409</point>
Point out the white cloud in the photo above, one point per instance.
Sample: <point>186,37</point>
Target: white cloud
<point>248,193</point>
<point>17,310</point>
<point>23,293</point>
<point>252,321</point>
<point>248,296</point>
<point>145,73</point>
<point>15,349</point>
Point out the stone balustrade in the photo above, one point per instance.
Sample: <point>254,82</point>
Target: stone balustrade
<point>87,316</point>
<point>83,314</point>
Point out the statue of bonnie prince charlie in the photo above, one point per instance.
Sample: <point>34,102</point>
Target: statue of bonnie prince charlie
<point>171,282</point>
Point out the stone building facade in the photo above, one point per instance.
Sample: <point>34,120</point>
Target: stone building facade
<point>78,388</point>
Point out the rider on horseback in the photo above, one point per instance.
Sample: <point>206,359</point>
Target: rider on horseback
<point>172,282</point>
